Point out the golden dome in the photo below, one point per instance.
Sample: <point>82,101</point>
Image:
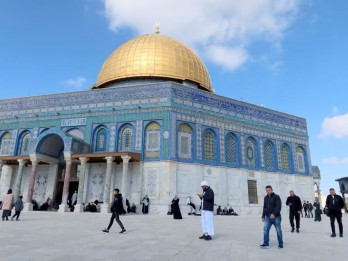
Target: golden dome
<point>154,55</point>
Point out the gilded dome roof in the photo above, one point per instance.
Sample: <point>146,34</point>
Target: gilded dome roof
<point>154,56</point>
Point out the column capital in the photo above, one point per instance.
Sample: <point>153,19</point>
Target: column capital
<point>109,159</point>
<point>83,160</point>
<point>21,162</point>
<point>125,158</point>
<point>34,162</point>
<point>68,160</point>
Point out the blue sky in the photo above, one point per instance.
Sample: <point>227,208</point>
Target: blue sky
<point>288,55</point>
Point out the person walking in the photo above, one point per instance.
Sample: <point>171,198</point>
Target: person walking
<point>175,208</point>
<point>334,204</point>
<point>295,207</point>
<point>116,209</point>
<point>305,208</point>
<point>7,205</point>
<point>317,210</point>
<point>310,209</point>
<point>18,208</point>
<point>271,216</point>
<point>207,211</point>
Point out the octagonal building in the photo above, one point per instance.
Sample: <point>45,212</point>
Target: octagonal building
<point>151,125</point>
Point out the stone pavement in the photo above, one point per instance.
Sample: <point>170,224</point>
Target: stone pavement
<point>71,236</point>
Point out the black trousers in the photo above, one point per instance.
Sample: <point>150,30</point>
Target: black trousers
<point>16,215</point>
<point>336,215</point>
<point>115,216</point>
<point>293,214</point>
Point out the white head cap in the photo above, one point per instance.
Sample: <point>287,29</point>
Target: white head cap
<point>204,183</point>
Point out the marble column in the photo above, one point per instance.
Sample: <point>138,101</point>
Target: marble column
<point>79,206</point>
<point>19,177</point>
<point>125,160</point>
<point>28,206</point>
<point>33,171</point>
<point>107,185</point>
<point>64,205</point>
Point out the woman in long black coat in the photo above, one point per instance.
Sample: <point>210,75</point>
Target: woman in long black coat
<point>175,208</point>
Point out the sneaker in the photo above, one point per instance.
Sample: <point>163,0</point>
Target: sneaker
<point>341,235</point>
<point>280,247</point>
<point>202,237</point>
<point>264,246</point>
<point>122,231</point>
<point>208,238</point>
<point>105,230</point>
<point>333,235</point>
<point>298,230</point>
<point>292,230</point>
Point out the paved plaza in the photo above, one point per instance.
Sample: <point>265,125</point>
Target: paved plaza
<point>71,236</point>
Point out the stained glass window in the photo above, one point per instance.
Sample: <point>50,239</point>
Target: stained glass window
<point>231,148</point>
<point>126,139</point>
<point>208,145</point>
<point>285,157</point>
<point>185,140</point>
<point>250,152</point>
<point>269,155</point>
<point>24,149</point>
<point>101,140</point>
<point>153,140</point>
<point>300,159</point>
<point>5,144</point>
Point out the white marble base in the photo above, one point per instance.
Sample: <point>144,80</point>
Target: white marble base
<point>78,208</point>
<point>63,208</point>
<point>105,208</point>
<point>28,207</point>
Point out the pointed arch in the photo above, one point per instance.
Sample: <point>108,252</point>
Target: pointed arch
<point>251,152</point>
<point>5,144</point>
<point>153,140</point>
<point>126,138</point>
<point>24,143</point>
<point>231,147</point>
<point>208,145</point>
<point>285,157</point>
<point>301,159</point>
<point>269,154</point>
<point>185,141</point>
<point>100,139</point>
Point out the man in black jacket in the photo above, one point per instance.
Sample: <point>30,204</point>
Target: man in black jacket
<point>271,216</point>
<point>295,207</point>
<point>116,209</point>
<point>335,203</point>
<point>207,212</point>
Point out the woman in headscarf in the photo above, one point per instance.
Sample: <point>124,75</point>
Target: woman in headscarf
<point>146,202</point>
<point>317,211</point>
<point>7,205</point>
<point>175,208</point>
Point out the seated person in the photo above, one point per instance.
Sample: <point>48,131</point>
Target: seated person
<point>133,208</point>
<point>219,211</point>
<point>225,211</point>
<point>35,205</point>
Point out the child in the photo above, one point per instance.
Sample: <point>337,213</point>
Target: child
<point>18,208</point>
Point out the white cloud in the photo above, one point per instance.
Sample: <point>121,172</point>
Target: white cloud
<point>222,29</point>
<point>76,82</point>
<point>335,160</point>
<point>335,110</point>
<point>336,126</point>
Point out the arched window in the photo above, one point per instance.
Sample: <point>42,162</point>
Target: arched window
<point>231,148</point>
<point>285,158</point>
<point>185,141</point>
<point>100,140</point>
<point>300,159</point>
<point>269,154</point>
<point>5,144</point>
<point>126,139</point>
<point>153,140</point>
<point>24,144</point>
<point>208,145</point>
<point>251,153</point>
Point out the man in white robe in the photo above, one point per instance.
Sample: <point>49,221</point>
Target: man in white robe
<point>207,212</point>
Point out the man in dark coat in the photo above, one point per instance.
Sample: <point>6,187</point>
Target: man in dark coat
<point>116,209</point>
<point>295,207</point>
<point>335,203</point>
<point>207,212</point>
<point>271,216</point>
